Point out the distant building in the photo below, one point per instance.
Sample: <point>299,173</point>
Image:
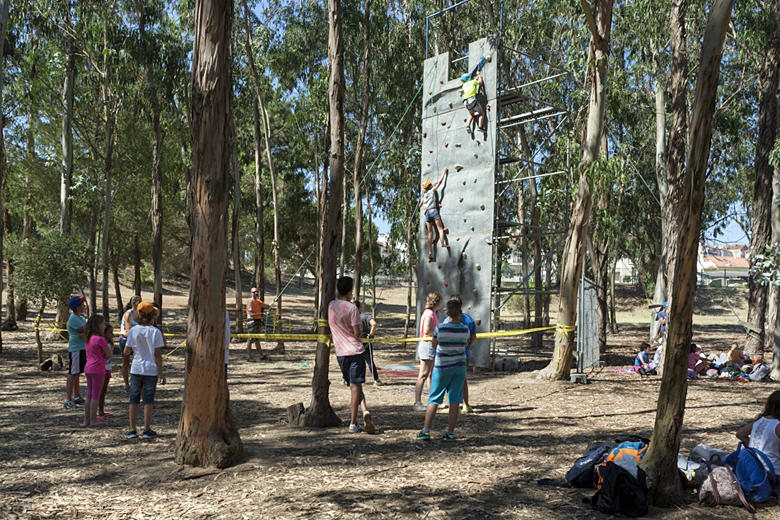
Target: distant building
<point>723,266</point>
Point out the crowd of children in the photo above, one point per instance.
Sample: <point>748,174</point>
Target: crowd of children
<point>90,345</point>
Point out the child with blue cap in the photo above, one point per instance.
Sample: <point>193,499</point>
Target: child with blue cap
<point>77,353</point>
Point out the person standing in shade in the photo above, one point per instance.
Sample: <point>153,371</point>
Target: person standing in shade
<point>129,320</point>
<point>77,354</point>
<point>426,351</point>
<point>449,371</point>
<point>368,325</point>
<point>144,344</point>
<point>469,322</point>
<point>345,329</point>
<point>661,319</point>
<point>254,314</point>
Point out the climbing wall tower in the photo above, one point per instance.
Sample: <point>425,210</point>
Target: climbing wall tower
<point>467,193</point>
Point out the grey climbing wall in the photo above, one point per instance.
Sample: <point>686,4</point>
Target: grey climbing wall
<point>466,195</point>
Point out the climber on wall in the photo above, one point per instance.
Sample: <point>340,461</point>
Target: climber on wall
<point>429,202</point>
<point>471,84</point>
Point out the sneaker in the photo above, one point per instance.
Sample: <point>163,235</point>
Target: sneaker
<point>423,436</point>
<point>378,383</point>
<point>448,437</point>
<point>466,409</point>
<point>444,408</point>
<point>354,428</point>
<point>344,382</point>
<point>131,435</point>
<point>149,434</point>
<point>369,424</point>
<point>419,407</point>
<point>78,400</point>
<point>69,404</point>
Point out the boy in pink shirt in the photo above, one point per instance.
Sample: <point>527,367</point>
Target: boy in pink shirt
<point>345,329</point>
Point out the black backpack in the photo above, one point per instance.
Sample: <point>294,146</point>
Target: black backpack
<point>9,325</point>
<point>582,474</point>
<point>620,492</point>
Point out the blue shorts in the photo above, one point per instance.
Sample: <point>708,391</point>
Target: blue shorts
<point>353,368</point>
<point>432,215</point>
<point>448,380</point>
<point>149,385</point>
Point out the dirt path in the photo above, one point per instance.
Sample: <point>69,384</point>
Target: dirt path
<point>522,430</point>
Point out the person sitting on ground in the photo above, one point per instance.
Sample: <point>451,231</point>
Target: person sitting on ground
<point>425,349</point>
<point>345,329</point>
<point>696,361</point>
<point>449,372</point>
<point>429,202</point>
<point>368,326</point>
<point>470,88</point>
<point>254,315</point>
<point>144,344</point>
<point>763,433</point>
<point>642,361</point>
<point>471,324</point>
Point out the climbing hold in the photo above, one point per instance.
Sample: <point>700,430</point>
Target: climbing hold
<point>458,167</point>
<point>450,104</point>
<point>457,145</point>
<point>441,82</point>
<point>427,283</point>
<point>464,120</point>
<point>464,183</point>
<point>428,165</point>
<point>446,145</point>
<point>430,92</point>
<point>434,110</point>
<point>446,284</point>
<point>472,228</point>
<point>438,267</point>
<point>465,256</point>
<point>476,156</point>
<point>430,151</point>
<point>479,267</point>
<point>482,207</point>
<point>475,292</point>
<point>464,220</point>
<point>457,239</point>
<point>460,199</point>
<point>475,180</point>
<point>443,123</point>
<point>448,126</point>
<point>469,307</point>
<point>425,134</point>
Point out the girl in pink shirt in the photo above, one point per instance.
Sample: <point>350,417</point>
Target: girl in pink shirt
<point>109,335</point>
<point>95,369</point>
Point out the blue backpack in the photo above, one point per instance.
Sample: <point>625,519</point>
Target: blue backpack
<point>755,472</point>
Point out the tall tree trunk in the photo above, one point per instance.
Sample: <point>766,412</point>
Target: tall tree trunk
<point>108,152</point>
<point>259,202</point>
<point>92,248</point>
<point>613,326</point>
<point>271,169</point>
<point>761,226</point>
<point>207,434</point>
<point>343,233</point>
<point>571,264</point>
<point>320,413</point>
<point>156,210</point>
<point>523,244</point>
<point>322,220</point>
<point>235,228</point>
<point>659,294</point>
<point>136,266</point>
<point>371,242</point>
<point>767,119</point>
<point>536,227</point>
<point>360,145</point>
<point>66,174</point>
<point>686,197</point>
<point>410,241</point>
<point>27,223</point>
<point>120,306</point>
<point>10,302</point>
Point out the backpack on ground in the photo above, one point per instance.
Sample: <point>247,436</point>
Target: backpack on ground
<point>722,487</point>
<point>582,474</point>
<point>620,491</point>
<point>703,453</point>
<point>627,455</point>
<point>755,472</point>
<point>9,325</point>
<point>760,372</point>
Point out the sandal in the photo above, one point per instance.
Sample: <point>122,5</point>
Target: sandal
<point>430,258</point>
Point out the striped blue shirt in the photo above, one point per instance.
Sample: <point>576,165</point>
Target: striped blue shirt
<point>451,350</point>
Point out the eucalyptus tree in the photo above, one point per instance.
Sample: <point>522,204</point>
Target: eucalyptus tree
<point>207,434</point>
<point>686,170</point>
